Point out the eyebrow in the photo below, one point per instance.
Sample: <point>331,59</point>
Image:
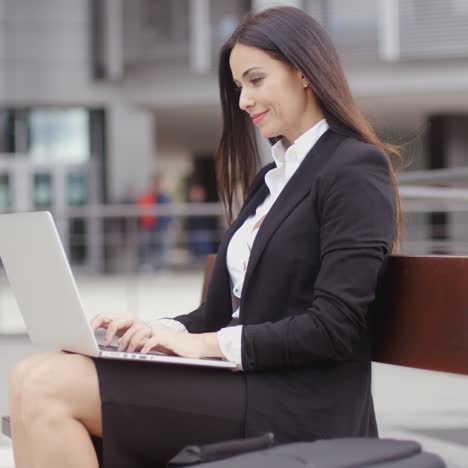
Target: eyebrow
<point>247,72</point>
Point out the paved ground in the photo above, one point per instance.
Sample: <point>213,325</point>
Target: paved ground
<point>427,406</point>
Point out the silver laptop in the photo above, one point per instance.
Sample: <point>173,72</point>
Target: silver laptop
<point>45,289</point>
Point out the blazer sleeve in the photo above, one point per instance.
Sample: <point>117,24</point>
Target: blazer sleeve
<point>356,207</point>
<point>197,321</point>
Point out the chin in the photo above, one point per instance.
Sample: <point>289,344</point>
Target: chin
<point>268,133</point>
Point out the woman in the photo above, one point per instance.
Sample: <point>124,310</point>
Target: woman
<point>289,308</point>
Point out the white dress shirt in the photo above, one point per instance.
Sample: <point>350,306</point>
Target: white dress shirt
<point>238,252</point>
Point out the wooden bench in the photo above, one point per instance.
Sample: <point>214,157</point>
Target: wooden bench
<point>420,315</point>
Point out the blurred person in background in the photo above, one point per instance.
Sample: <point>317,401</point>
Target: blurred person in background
<point>290,291</point>
<point>155,239</point>
<point>199,228</point>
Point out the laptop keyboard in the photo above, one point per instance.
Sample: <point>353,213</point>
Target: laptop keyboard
<point>108,348</point>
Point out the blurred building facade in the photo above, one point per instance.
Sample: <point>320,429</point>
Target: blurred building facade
<point>97,95</point>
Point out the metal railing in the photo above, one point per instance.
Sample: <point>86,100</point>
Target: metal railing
<point>107,241</point>
<point>113,238</point>
<point>110,239</point>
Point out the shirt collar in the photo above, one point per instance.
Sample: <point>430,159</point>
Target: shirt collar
<point>299,149</point>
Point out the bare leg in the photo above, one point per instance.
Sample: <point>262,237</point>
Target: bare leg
<point>19,435</point>
<point>59,406</point>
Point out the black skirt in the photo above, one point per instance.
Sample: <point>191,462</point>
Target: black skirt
<point>151,411</point>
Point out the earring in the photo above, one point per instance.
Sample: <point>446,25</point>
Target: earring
<point>306,84</point>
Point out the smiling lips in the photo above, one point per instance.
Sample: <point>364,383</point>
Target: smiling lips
<point>258,117</point>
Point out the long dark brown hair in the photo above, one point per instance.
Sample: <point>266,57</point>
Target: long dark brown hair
<point>294,38</point>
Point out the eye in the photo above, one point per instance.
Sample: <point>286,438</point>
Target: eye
<point>254,81</point>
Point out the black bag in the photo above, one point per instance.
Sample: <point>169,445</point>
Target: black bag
<point>329,453</point>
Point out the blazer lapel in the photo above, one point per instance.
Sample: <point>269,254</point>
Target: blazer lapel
<point>245,212</point>
<point>297,188</point>
<point>219,292</point>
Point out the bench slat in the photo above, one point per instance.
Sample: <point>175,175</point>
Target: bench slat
<point>421,313</point>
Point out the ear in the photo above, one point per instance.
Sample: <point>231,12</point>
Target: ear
<point>303,79</point>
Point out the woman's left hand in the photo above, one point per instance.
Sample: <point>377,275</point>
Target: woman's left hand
<point>191,345</point>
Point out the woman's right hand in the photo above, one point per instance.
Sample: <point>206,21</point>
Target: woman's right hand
<point>131,330</point>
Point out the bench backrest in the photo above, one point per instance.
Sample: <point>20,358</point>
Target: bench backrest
<point>420,315</point>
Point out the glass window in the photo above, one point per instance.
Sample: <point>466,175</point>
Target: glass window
<point>59,135</point>
<point>5,193</point>
<point>77,188</point>
<point>7,133</point>
<point>78,238</point>
<point>167,21</point>
<point>43,191</point>
<point>156,30</point>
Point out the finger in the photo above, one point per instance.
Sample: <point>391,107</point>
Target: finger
<point>124,340</point>
<point>126,337</point>
<point>141,334</point>
<point>140,345</point>
<point>115,326</point>
<point>149,345</point>
<point>103,320</point>
<point>99,321</point>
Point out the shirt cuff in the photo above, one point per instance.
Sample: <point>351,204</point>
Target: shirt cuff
<point>170,323</point>
<point>230,340</point>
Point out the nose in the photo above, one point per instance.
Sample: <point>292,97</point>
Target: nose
<point>246,100</point>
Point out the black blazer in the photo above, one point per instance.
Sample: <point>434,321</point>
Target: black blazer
<point>311,276</point>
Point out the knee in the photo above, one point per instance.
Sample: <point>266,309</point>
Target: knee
<point>23,370</point>
<point>44,391</point>
<point>19,373</point>
<point>33,382</point>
